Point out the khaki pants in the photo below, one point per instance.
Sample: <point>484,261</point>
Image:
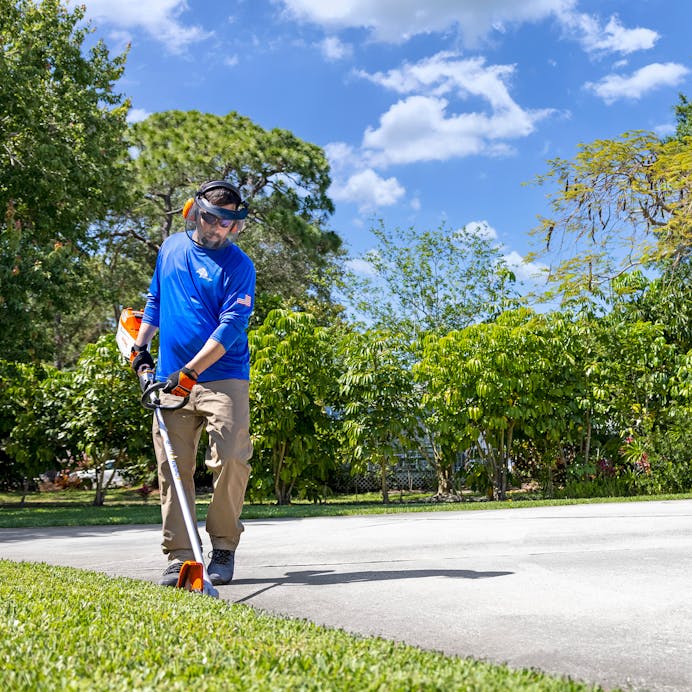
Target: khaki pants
<point>223,407</point>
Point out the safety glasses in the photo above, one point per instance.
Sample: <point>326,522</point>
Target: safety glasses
<point>212,219</point>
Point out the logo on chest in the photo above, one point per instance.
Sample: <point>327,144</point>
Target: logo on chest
<point>203,274</point>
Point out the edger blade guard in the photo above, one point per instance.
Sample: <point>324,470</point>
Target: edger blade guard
<point>191,578</point>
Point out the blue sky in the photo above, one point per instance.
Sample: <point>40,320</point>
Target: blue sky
<point>428,111</point>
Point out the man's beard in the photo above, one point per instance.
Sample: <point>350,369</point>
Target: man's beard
<point>208,243</point>
<point>211,244</point>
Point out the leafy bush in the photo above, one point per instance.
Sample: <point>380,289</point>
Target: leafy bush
<point>671,461</point>
<point>597,487</point>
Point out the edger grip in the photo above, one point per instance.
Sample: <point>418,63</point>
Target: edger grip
<point>150,398</point>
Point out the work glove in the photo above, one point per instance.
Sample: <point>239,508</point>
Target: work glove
<point>181,382</point>
<point>141,359</point>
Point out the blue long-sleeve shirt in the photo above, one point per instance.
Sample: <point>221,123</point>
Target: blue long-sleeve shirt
<point>196,294</point>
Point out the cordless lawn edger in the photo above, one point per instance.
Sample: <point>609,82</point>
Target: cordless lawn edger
<point>193,574</point>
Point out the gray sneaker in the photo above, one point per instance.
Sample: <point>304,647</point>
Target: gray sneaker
<point>221,566</point>
<point>170,574</point>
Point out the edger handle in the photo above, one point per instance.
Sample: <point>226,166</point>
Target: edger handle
<point>150,398</point>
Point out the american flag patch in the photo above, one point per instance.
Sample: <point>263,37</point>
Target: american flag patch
<point>245,300</point>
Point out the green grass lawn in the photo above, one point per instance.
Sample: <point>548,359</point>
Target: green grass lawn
<point>125,506</point>
<point>68,629</point>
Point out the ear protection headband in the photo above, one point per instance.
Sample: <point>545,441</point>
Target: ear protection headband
<point>199,201</point>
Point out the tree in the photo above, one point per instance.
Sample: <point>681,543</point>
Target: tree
<point>433,280</point>
<point>291,384</point>
<point>28,419</point>
<point>683,117</point>
<point>486,383</point>
<point>484,386</point>
<point>629,374</point>
<point>620,204</point>
<point>284,178</point>
<point>52,418</point>
<point>379,409</point>
<point>61,168</point>
<point>102,414</point>
<point>665,300</point>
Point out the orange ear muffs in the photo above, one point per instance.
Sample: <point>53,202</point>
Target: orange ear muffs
<point>187,206</point>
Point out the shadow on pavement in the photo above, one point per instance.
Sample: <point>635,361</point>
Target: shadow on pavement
<point>58,532</point>
<point>325,577</point>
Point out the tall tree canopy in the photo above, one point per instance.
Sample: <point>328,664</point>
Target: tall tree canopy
<point>61,164</point>
<point>284,178</point>
<point>683,117</point>
<point>620,204</point>
<point>433,280</point>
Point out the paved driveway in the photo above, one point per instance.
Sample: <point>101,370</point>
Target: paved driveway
<point>602,593</point>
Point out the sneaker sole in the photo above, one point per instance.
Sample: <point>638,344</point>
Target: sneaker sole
<point>217,581</point>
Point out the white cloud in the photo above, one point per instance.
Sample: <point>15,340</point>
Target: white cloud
<point>231,60</point>
<point>613,38</point>
<point>418,129</point>
<point>482,229</point>
<point>136,115</point>
<point>665,129</point>
<point>361,266</point>
<point>159,18</point>
<point>343,157</point>
<point>334,49</point>
<point>118,40</point>
<point>397,21</point>
<point>615,86</point>
<point>424,126</point>
<point>368,190</point>
<point>443,74</point>
<point>338,152</point>
<point>525,271</point>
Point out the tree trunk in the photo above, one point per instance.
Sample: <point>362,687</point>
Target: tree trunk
<point>25,491</point>
<point>549,484</point>
<point>59,342</point>
<point>100,497</point>
<point>488,457</point>
<point>504,466</point>
<point>445,485</point>
<point>283,494</point>
<point>587,443</point>
<point>385,487</point>
<point>500,468</point>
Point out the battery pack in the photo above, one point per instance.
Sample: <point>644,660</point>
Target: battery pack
<point>128,328</point>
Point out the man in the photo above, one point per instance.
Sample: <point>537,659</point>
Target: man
<point>200,299</point>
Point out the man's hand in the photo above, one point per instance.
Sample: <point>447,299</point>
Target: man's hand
<point>140,359</point>
<point>181,382</point>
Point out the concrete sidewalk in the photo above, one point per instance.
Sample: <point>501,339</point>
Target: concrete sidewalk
<point>597,592</point>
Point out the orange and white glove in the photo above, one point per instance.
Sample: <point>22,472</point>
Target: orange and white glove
<point>140,358</point>
<point>181,382</point>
